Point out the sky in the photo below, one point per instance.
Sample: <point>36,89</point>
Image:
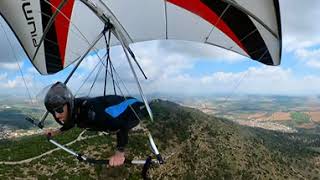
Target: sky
<point>187,68</point>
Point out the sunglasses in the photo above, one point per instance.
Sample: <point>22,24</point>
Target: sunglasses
<point>58,109</point>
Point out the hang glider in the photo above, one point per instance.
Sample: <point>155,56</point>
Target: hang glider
<point>55,33</point>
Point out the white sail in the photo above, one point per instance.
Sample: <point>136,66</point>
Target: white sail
<point>250,28</point>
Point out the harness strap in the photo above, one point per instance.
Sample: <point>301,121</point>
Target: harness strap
<point>118,109</point>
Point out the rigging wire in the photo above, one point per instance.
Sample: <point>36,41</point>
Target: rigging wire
<point>233,89</point>
<point>95,67</point>
<point>95,79</point>
<point>112,69</point>
<point>147,107</point>
<point>117,84</point>
<point>87,41</point>
<point>239,82</point>
<point>16,59</point>
<point>108,64</point>
<point>82,35</point>
<point>96,51</point>
<point>107,59</point>
<point>245,75</point>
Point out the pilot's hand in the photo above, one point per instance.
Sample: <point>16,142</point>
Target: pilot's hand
<point>117,159</point>
<point>51,132</point>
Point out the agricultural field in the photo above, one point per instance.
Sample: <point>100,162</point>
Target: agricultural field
<point>272,112</point>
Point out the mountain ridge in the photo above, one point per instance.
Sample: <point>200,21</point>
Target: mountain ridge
<point>195,145</point>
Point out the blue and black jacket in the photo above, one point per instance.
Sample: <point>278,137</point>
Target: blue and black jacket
<point>110,113</point>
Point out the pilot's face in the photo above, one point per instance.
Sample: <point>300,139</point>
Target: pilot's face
<point>61,113</point>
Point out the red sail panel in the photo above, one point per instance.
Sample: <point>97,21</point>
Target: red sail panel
<point>199,8</point>
<point>62,18</point>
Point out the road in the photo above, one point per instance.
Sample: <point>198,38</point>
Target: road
<point>79,138</point>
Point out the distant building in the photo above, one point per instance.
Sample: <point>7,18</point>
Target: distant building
<point>5,107</point>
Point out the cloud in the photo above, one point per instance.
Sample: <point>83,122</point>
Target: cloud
<point>306,54</point>
<point>313,64</point>
<point>3,76</point>
<point>170,73</point>
<point>254,80</point>
<point>170,76</point>
<point>16,85</point>
<point>152,60</point>
<point>10,49</point>
<point>299,27</point>
<point>17,82</point>
<point>300,31</point>
<point>263,80</point>
<point>310,56</point>
<point>198,50</point>
<point>11,66</point>
<point>89,62</point>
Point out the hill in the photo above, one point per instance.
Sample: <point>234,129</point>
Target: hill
<point>197,146</point>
